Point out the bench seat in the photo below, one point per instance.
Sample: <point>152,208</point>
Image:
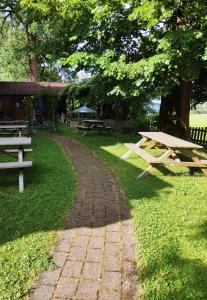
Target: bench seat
<point>146,156</point>
<point>84,128</point>
<point>16,150</point>
<point>15,165</point>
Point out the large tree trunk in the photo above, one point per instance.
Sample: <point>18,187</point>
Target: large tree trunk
<point>32,56</point>
<point>33,68</point>
<point>175,110</point>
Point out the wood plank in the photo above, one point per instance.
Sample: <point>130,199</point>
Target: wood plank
<point>16,150</point>
<point>15,141</point>
<point>146,156</point>
<point>17,126</point>
<point>190,164</point>
<point>128,153</point>
<point>15,165</point>
<point>169,140</point>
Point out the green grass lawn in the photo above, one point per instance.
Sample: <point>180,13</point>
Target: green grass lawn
<point>169,219</point>
<point>30,221</point>
<point>198,120</point>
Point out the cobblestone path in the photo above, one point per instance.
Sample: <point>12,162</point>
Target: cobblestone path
<point>95,256</point>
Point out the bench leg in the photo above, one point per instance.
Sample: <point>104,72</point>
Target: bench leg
<point>21,172</point>
<point>21,180</point>
<point>145,173</point>
<point>128,153</point>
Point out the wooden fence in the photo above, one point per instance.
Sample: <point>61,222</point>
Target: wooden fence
<point>199,135</point>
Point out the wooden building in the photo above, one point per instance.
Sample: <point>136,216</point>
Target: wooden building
<point>12,95</point>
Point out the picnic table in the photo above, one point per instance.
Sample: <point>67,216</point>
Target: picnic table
<point>12,128</point>
<point>15,147</point>
<point>171,146</point>
<point>93,125</point>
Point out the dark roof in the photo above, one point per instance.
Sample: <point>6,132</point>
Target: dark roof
<point>30,88</point>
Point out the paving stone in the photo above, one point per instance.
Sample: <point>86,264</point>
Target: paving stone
<point>43,292</point>
<point>59,258</point>
<point>128,252</point>
<point>96,242</point>
<point>50,277</point>
<point>72,269</point>
<point>113,227</point>
<point>109,295</point>
<point>112,263</point>
<point>91,271</point>
<point>98,232</point>
<point>87,289</point>
<point>77,253</point>
<point>67,234</point>
<point>113,237</point>
<point>64,245</point>
<point>81,241</point>
<point>66,288</point>
<point>111,281</point>
<point>84,231</point>
<point>112,248</point>
<point>94,255</point>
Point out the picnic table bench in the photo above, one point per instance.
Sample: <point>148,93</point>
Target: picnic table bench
<point>172,145</point>
<point>93,125</point>
<point>17,144</point>
<point>7,129</point>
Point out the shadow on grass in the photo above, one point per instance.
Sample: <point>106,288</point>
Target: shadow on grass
<point>179,278</point>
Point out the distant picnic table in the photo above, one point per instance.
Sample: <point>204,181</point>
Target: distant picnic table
<point>15,147</point>
<point>93,125</point>
<point>16,127</point>
<point>172,146</point>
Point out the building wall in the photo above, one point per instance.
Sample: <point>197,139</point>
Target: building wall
<point>12,108</point>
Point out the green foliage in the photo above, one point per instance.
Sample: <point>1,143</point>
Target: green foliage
<point>30,221</point>
<point>147,47</point>
<point>13,54</point>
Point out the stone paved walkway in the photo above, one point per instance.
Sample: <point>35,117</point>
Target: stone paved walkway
<point>95,257</point>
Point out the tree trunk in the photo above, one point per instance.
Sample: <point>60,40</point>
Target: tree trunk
<point>32,56</point>
<point>175,110</point>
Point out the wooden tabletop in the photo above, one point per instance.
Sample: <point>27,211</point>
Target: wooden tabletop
<point>13,126</point>
<point>169,140</point>
<point>94,121</point>
<point>15,141</point>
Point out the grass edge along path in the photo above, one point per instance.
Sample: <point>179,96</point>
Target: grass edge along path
<point>32,221</point>
<point>169,219</point>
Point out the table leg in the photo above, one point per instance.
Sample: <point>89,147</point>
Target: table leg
<point>194,158</point>
<point>146,172</point>
<point>128,153</point>
<point>153,166</point>
<point>21,172</point>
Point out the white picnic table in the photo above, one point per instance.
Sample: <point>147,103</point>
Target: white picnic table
<point>172,146</point>
<point>13,128</point>
<point>16,145</point>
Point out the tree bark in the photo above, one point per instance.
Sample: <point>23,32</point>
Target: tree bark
<point>32,56</point>
<point>175,110</point>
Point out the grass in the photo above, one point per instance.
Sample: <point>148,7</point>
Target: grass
<point>169,219</point>
<point>198,120</point>
<point>30,221</point>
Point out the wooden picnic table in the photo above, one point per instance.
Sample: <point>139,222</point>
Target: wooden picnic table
<point>16,145</point>
<point>171,146</point>
<point>13,128</point>
<point>93,125</point>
